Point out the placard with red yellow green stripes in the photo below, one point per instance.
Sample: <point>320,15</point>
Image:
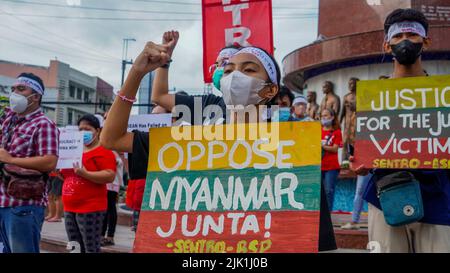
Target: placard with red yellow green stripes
<point>256,189</point>
<point>403,123</point>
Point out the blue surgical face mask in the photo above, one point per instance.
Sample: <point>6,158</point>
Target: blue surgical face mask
<point>284,114</point>
<point>88,137</point>
<point>327,122</point>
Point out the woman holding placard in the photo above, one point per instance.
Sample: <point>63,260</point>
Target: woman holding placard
<point>251,78</point>
<point>84,190</point>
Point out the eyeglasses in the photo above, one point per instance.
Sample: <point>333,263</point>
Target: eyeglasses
<point>19,88</point>
<point>216,65</point>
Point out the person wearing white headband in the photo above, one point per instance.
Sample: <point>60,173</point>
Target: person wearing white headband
<point>251,77</point>
<point>224,55</point>
<point>26,94</point>
<point>299,110</point>
<point>406,38</point>
<point>29,146</point>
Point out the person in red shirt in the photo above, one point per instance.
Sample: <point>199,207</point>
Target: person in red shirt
<point>331,142</point>
<point>84,191</point>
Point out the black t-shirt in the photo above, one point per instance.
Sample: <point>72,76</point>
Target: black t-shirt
<point>198,117</point>
<point>138,162</point>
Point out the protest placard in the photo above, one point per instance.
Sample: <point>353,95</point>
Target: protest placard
<point>403,123</point>
<point>70,148</point>
<point>233,195</point>
<point>144,122</point>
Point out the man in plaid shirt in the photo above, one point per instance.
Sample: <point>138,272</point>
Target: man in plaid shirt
<point>28,140</point>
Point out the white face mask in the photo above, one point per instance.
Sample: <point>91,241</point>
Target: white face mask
<point>240,89</point>
<point>19,103</point>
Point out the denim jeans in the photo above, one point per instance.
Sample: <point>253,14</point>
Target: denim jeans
<point>361,184</point>
<point>20,228</point>
<point>330,179</point>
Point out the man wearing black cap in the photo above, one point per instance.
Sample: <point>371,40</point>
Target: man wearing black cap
<point>29,144</point>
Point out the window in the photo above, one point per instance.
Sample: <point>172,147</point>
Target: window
<point>103,106</point>
<point>72,91</point>
<point>69,117</point>
<point>79,93</point>
<point>86,96</point>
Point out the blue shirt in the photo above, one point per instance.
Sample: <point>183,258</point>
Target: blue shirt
<point>435,189</point>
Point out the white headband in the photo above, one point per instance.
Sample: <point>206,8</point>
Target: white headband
<point>29,83</point>
<point>299,99</point>
<point>227,53</point>
<point>265,59</point>
<point>404,27</point>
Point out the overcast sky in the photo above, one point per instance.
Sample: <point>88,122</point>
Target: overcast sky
<point>33,34</point>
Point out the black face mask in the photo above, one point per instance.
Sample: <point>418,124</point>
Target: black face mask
<point>407,52</point>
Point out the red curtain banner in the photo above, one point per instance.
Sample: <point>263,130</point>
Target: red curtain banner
<point>228,22</point>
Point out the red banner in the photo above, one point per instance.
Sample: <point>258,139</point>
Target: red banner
<point>228,22</point>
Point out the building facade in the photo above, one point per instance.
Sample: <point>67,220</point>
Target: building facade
<point>69,93</point>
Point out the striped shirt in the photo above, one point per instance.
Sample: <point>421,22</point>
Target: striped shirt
<point>28,136</point>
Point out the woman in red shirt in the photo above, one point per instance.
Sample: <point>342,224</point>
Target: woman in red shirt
<point>84,191</point>
<point>331,142</point>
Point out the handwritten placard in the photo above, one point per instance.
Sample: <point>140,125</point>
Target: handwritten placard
<point>70,148</point>
<point>404,123</point>
<point>233,195</point>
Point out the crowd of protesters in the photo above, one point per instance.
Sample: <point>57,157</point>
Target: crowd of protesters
<point>246,76</point>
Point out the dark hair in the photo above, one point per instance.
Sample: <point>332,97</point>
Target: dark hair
<point>277,67</point>
<point>91,120</point>
<point>336,124</point>
<point>331,84</point>
<point>284,91</point>
<point>354,79</point>
<point>278,72</point>
<point>33,77</point>
<point>401,15</point>
<point>314,93</point>
<point>183,93</point>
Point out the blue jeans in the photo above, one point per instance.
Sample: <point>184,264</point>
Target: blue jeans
<point>361,185</point>
<point>20,228</point>
<point>330,179</point>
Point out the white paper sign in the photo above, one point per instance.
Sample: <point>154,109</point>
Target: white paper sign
<point>144,122</point>
<point>70,148</point>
